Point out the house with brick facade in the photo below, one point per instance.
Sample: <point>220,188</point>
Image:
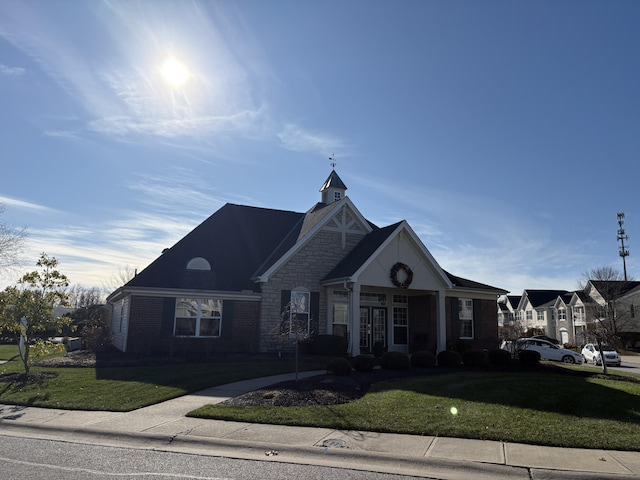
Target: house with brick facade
<point>247,276</point>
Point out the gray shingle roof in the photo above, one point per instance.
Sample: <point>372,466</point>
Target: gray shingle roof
<point>236,240</point>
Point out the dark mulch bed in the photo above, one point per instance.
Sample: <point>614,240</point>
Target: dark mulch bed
<point>319,390</point>
<point>24,378</point>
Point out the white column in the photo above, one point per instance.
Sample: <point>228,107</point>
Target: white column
<point>354,319</point>
<point>441,322</point>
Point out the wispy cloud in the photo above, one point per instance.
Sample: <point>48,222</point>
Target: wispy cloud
<point>511,249</point>
<point>296,138</point>
<point>22,204</point>
<point>11,71</point>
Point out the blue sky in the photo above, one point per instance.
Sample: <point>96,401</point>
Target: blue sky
<point>504,132</point>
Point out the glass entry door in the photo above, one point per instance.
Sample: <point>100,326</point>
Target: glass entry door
<point>373,328</point>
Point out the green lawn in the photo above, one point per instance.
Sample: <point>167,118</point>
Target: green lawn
<point>542,408</point>
<point>128,388</point>
<point>535,408</point>
<point>7,352</point>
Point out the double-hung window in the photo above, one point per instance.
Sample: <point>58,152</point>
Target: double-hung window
<point>465,310</point>
<point>340,313</point>
<point>198,317</point>
<point>400,319</point>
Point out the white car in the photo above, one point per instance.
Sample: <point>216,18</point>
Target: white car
<point>549,351</point>
<point>591,354</point>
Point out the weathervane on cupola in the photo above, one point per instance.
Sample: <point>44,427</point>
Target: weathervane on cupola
<point>333,188</point>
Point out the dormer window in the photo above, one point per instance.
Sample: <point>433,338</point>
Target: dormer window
<point>199,263</point>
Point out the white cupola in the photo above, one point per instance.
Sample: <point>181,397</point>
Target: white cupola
<point>333,189</point>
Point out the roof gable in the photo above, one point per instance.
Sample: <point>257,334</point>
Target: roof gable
<point>538,298</point>
<point>373,258</point>
<point>341,216</point>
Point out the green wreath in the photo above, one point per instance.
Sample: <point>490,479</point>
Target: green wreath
<point>394,275</point>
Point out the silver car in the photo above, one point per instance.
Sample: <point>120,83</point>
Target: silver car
<point>549,351</point>
<point>591,354</point>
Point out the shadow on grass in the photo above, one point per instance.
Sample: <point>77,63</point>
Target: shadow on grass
<point>547,388</point>
<point>197,373</point>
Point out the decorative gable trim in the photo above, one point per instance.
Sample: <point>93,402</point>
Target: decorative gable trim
<point>326,223</point>
<point>345,222</point>
<point>402,228</point>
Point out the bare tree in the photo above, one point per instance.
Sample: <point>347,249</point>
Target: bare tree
<point>123,276</point>
<point>12,245</point>
<point>82,297</point>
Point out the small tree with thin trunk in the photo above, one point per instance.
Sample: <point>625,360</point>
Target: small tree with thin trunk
<point>27,309</point>
<point>294,328</point>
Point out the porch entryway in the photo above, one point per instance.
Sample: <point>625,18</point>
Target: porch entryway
<point>373,328</point>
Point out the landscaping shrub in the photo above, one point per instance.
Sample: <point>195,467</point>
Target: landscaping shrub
<point>499,357</point>
<point>474,358</point>
<point>339,367</point>
<point>364,363</point>
<point>529,357</point>
<point>329,345</point>
<point>378,349</point>
<point>449,358</point>
<point>422,359</point>
<point>395,361</point>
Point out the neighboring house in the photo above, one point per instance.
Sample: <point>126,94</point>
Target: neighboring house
<point>573,317</point>
<point>537,310</point>
<point>507,305</point>
<point>245,274</point>
<point>613,306</point>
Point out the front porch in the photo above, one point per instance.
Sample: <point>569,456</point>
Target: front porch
<point>381,319</point>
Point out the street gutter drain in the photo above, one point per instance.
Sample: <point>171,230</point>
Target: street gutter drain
<point>334,442</point>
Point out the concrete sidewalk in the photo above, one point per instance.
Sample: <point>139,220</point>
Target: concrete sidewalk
<point>164,427</point>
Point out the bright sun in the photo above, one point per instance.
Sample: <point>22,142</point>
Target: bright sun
<point>175,72</point>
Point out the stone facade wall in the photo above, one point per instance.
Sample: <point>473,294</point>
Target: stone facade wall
<point>312,263</point>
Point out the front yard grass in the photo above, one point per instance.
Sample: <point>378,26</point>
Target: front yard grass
<point>543,408</point>
<point>127,388</point>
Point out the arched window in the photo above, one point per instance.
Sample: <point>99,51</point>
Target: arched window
<point>198,263</point>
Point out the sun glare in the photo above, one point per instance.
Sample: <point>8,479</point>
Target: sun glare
<point>175,72</point>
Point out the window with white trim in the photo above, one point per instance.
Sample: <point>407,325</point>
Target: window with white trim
<point>198,317</point>
<point>400,320</point>
<point>299,314</point>
<point>562,314</point>
<point>540,315</point>
<point>465,315</point>
<point>529,315</point>
<point>340,318</point>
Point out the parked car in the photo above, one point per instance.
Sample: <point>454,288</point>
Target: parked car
<point>548,339</point>
<point>549,351</point>
<point>590,353</point>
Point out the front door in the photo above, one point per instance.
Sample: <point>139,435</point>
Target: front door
<point>373,328</point>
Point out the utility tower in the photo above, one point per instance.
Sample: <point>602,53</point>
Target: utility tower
<point>624,252</point>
